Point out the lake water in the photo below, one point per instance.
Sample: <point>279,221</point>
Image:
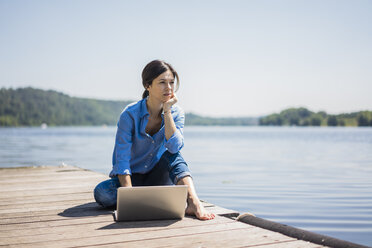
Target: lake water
<point>318,179</point>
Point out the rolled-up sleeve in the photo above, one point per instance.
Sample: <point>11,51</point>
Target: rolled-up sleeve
<point>175,142</point>
<point>123,144</point>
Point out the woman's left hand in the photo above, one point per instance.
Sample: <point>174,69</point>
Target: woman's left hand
<point>168,104</point>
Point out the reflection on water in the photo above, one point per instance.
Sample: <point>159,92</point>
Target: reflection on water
<point>318,179</point>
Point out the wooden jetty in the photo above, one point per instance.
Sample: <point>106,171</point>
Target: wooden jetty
<point>54,207</point>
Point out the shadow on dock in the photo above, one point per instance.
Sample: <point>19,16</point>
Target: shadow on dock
<point>86,210</point>
<point>93,209</point>
<point>139,224</point>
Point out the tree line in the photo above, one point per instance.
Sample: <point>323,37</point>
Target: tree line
<point>305,117</point>
<point>32,107</point>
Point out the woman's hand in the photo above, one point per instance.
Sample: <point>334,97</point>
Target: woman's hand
<point>125,180</point>
<point>168,104</point>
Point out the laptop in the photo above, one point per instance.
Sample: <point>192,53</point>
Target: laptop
<point>151,202</point>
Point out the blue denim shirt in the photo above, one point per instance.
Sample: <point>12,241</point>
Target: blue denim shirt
<point>136,151</point>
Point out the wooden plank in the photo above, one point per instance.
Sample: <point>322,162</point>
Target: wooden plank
<point>73,184</point>
<point>64,203</point>
<point>41,192</point>
<point>53,223</point>
<point>83,210</point>
<point>88,230</point>
<point>90,209</point>
<point>88,224</point>
<point>88,196</point>
<point>47,193</point>
<point>49,206</point>
<point>185,233</point>
<point>25,179</point>
<point>31,218</point>
<point>51,184</point>
<point>235,238</point>
<point>31,187</point>
<point>37,170</point>
<point>227,237</point>
<point>45,173</point>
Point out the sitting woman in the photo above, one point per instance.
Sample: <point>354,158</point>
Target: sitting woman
<point>148,141</point>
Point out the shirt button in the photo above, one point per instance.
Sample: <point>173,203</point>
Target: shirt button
<point>145,166</point>
<point>151,154</point>
<point>153,142</point>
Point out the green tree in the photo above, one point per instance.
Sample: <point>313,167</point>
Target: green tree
<point>315,120</point>
<point>332,120</point>
<point>364,118</point>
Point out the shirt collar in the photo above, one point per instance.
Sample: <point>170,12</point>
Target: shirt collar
<point>144,110</point>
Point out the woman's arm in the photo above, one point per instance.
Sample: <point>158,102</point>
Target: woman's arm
<point>173,126</point>
<point>122,150</point>
<point>124,141</point>
<point>169,125</point>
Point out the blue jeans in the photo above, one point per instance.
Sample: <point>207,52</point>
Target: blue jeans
<point>169,169</point>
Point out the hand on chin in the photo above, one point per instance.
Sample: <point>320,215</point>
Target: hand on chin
<point>170,100</point>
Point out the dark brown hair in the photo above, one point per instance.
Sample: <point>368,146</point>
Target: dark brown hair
<point>152,70</point>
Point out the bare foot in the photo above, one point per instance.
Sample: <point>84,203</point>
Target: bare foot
<point>195,207</point>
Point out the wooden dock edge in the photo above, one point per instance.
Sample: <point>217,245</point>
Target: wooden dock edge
<point>297,232</point>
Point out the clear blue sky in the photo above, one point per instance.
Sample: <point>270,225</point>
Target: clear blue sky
<point>234,58</point>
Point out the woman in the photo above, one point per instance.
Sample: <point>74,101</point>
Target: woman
<point>148,142</point>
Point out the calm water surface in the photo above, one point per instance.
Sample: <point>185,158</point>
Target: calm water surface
<point>319,179</point>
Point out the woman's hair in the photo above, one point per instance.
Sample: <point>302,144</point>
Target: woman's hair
<point>152,70</point>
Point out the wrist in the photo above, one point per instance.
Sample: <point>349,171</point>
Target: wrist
<point>166,110</point>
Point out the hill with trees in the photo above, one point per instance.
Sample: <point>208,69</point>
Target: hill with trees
<point>305,117</point>
<point>32,107</point>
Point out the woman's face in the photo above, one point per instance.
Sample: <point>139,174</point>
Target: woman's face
<point>162,87</point>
